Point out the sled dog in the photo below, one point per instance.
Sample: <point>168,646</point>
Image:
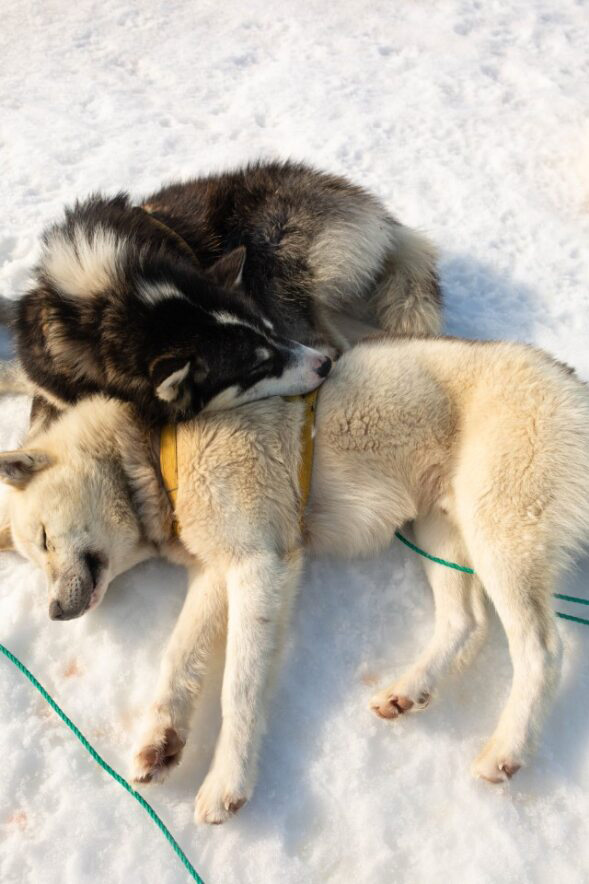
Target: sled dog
<point>217,291</point>
<point>483,446</point>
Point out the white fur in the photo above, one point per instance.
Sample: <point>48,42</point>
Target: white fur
<point>83,264</point>
<point>298,378</point>
<point>485,447</point>
<point>223,317</point>
<point>153,292</point>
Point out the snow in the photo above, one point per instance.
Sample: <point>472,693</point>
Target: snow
<point>470,120</point>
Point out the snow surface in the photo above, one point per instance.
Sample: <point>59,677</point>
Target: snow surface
<point>470,119</point>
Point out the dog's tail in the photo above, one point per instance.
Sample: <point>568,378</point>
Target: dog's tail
<point>7,311</point>
<point>407,299</point>
<point>13,380</point>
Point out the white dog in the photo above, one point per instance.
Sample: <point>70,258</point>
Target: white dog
<point>484,446</point>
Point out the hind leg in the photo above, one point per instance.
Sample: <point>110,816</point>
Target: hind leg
<point>460,621</point>
<point>407,298</point>
<point>520,586</point>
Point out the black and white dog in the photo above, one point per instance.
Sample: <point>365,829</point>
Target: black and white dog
<point>218,291</point>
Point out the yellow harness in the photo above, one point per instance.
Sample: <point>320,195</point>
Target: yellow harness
<point>169,458</point>
<point>169,436</point>
<point>307,447</point>
<point>169,468</point>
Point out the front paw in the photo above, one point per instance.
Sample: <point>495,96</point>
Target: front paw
<point>158,756</point>
<point>218,799</point>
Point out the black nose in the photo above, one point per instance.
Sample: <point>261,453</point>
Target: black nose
<point>324,368</point>
<point>55,610</point>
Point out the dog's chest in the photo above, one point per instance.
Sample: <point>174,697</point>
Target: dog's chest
<point>238,481</point>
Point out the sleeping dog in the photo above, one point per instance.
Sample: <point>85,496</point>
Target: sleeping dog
<point>217,291</point>
<point>484,446</point>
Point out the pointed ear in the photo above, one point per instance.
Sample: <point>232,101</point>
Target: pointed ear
<point>18,467</point>
<point>168,372</point>
<point>227,271</point>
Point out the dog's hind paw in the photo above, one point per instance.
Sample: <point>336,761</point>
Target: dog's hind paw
<point>155,760</point>
<point>494,766</point>
<point>389,704</point>
<point>216,801</point>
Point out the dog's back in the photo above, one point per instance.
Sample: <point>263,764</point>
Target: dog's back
<point>315,243</point>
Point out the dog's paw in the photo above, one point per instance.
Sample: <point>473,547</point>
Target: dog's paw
<point>218,800</point>
<point>157,757</point>
<point>495,766</point>
<point>391,703</point>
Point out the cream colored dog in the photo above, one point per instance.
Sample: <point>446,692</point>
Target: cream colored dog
<point>484,446</point>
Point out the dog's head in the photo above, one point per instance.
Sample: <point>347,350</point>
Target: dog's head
<point>225,351</point>
<point>70,515</point>
<point>118,307</point>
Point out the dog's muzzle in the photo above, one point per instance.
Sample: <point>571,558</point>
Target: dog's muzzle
<point>72,591</point>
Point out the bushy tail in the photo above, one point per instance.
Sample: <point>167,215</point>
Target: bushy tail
<point>7,311</point>
<point>407,299</point>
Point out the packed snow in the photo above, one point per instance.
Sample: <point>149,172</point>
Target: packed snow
<point>470,120</point>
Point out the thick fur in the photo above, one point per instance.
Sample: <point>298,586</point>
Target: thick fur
<point>483,446</point>
<point>193,298</point>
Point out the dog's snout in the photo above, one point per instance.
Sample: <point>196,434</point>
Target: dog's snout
<point>74,590</point>
<point>324,367</point>
<point>55,610</point>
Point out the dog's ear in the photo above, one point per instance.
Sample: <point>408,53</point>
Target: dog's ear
<point>18,467</point>
<point>168,372</point>
<point>228,270</point>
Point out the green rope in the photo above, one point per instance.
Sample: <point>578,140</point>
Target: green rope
<point>438,561</point>
<point>147,807</point>
<point>574,619</point>
<point>571,598</point>
<point>435,559</point>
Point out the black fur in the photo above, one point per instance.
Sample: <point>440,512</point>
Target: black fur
<point>75,339</point>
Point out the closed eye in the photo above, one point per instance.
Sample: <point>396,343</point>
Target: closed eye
<point>43,541</point>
